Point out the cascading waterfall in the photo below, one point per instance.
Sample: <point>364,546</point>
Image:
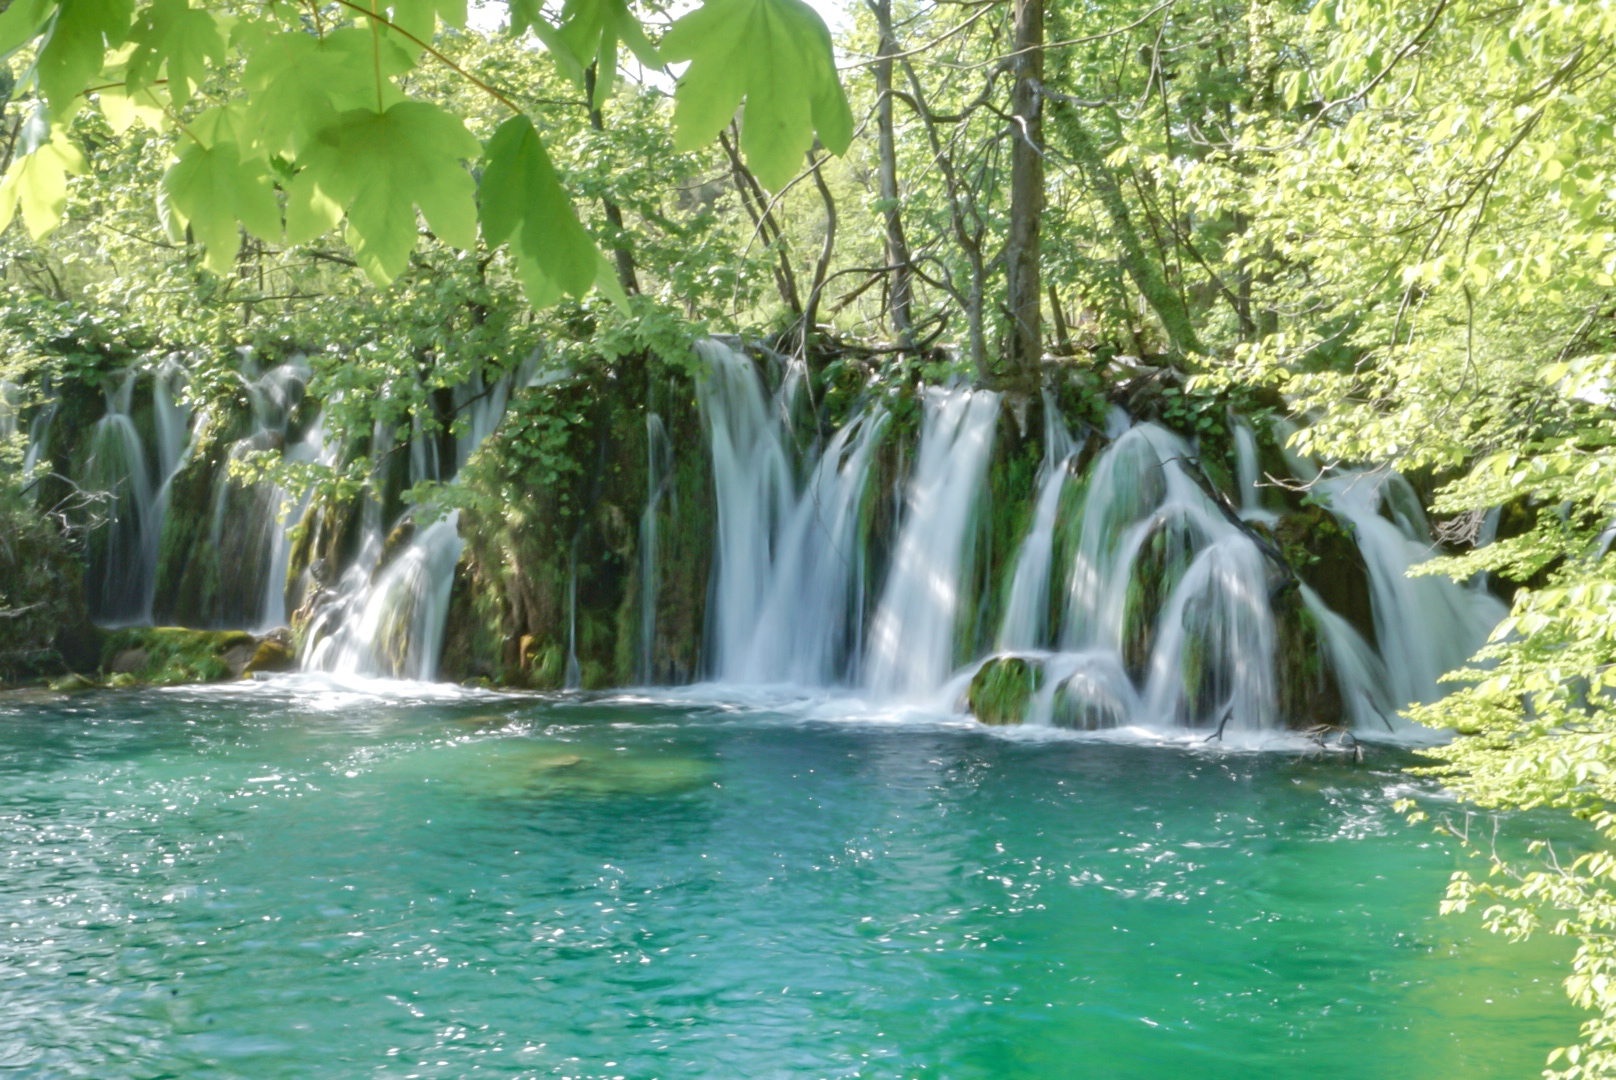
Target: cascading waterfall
<point>387,614</point>
<point>117,578</point>
<point>1026,617</point>
<point>1163,582</point>
<point>789,566</point>
<point>911,646</point>
<point>397,628</point>
<point>1424,626</point>
<point>659,482</point>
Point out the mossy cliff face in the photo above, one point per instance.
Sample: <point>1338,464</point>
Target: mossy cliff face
<point>218,532</point>
<point>553,564</point>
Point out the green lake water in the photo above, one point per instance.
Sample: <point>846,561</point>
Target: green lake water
<point>274,882</point>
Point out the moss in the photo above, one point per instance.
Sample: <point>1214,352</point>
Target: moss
<point>1002,689</point>
<point>1326,557</point>
<point>171,655</point>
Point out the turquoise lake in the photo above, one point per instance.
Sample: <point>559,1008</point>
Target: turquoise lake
<point>289,881</point>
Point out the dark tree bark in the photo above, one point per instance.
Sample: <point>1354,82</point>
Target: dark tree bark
<point>1024,296</point>
<point>622,251</point>
<point>900,297</point>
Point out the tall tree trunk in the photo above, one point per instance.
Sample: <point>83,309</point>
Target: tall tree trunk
<point>900,297</point>
<point>756,202</point>
<point>622,251</point>
<point>1146,273</point>
<point>1023,292</point>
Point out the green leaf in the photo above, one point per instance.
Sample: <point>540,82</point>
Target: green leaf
<point>777,55</point>
<point>124,109</point>
<point>212,188</point>
<point>522,201</point>
<point>380,166</point>
<point>75,47</point>
<point>183,37</point>
<point>590,31</point>
<point>38,183</point>
<point>419,18</point>
<point>298,84</point>
<point>20,22</point>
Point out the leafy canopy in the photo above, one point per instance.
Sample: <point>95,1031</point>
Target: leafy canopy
<point>311,122</point>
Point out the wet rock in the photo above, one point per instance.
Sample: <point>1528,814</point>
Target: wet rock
<point>130,662</point>
<point>274,653</point>
<point>72,683</point>
<point>1325,555</point>
<point>1002,689</point>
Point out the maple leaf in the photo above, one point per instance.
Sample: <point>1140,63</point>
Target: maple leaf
<point>211,188</point>
<point>37,180</point>
<point>377,168</point>
<point>777,55</point>
<point>174,33</point>
<point>522,201</point>
<point>74,47</point>
<point>298,84</point>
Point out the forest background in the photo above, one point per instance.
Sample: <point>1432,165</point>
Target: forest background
<point>1392,220</point>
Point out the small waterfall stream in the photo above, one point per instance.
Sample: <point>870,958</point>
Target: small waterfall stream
<point>1135,596</point>
<point>911,644</point>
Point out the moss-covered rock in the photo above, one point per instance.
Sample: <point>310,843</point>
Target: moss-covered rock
<point>1001,690</point>
<point>171,655</point>
<point>274,652</point>
<point>1325,556</point>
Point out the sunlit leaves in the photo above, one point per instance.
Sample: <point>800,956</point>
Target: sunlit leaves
<point>20,22</point>
<point>211,189</point>
<point>297,84</point>
<point>75,47</point>
<point>378,167</point>
<point>523,202</point>
<point>776,54</point>
<point>37,182</point>
<point>184,38</point>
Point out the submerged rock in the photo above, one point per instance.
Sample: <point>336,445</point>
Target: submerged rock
<point>1002,689</point>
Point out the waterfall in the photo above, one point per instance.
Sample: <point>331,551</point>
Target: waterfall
<point>290,512</point>
<point>911,645</point>
<point>395,626</point>
<point>387,614</point>
<point>117,587</point>
<point>1026,613</point>
<point>659,485</point>
<point>752,481</point>
<point>171,417</point>
<point>1424,626</point>
<point>789,567</point>
<point>1360,675</point>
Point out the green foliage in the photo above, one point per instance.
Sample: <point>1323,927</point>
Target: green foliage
<point>777,55</point>
<point>328,109</point>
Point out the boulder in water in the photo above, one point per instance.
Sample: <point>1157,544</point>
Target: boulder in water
<point>1002,689</point>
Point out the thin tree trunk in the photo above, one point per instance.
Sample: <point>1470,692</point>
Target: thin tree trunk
<point>1146,273</point>
<point>810,316</point>
<point>900,297</point>
<point>1024,296</point>
<point>622,251</point>
<point>757,208</point>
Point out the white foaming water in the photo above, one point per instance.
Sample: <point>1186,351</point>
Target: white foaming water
<point>1026,612</point>
<point>1424,626</point>
<point>390,620</point>
<point>659,485</point>
<point>117,585</point>
<point>911,645</point>
<point>396,628</point>
<point>789,567</point>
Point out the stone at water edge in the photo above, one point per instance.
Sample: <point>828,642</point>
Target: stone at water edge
<point>1002,688</point>
<point>274,653</point>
